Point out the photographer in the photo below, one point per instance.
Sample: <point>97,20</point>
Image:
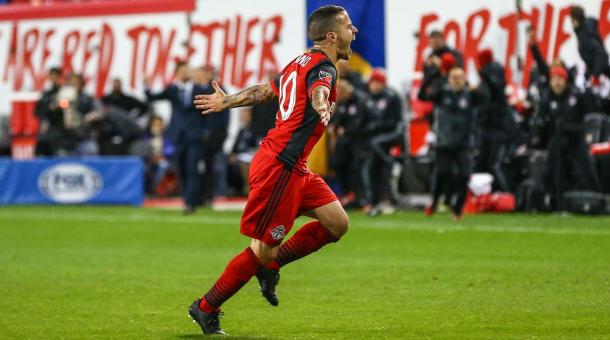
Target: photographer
<point>62,110</point>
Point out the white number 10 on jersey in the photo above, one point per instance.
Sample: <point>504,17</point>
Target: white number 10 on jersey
<point>288,83</point>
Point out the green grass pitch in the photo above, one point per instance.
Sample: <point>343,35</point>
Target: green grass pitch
<point>130,273</point>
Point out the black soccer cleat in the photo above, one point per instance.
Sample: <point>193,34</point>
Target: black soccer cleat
<point>268,279</point>
<point>209,322</point>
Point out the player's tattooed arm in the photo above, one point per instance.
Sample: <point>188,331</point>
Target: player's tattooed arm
<point>219,101</point>
<point>319,102</point>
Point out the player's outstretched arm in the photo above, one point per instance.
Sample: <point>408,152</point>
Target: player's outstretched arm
<point>319,102</point>
<point>219,101</point>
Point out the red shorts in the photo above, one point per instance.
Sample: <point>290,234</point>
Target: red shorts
<point>277,197</point>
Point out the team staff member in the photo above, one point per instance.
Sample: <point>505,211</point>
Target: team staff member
<point>561,113</point>
<point>384,129</point>
<point>454,121</point>
<point>185,132</point>
<point>590,45</point>
<point>347,127</point>
<point>494,119</point>
<point>439,47</point>
<point>53,135</point>
<point>214,135</point>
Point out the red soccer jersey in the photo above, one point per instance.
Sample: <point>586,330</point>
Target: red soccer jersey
<point>297,126</point>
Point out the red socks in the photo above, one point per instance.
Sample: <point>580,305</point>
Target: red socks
<point>236,275</point>
<point>305,241</point>
<point>240,270</point>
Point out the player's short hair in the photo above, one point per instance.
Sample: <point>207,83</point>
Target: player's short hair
<point>322,21</point>
<point>577,13</point>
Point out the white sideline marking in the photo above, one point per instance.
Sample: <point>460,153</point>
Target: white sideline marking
<point>231,221</point>
<point>123,218</point>
<point>499,229</point>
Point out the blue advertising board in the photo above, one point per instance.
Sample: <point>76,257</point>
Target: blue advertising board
<point>111,180</point>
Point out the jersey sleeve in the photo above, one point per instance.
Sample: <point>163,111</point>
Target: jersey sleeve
<point>321,75</point>
<point>275,84</point>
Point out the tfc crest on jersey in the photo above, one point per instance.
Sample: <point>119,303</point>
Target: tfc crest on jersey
<point>297,126</point>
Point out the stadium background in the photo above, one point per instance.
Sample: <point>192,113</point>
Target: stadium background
<point>104,42</point>
<point>245,40</point>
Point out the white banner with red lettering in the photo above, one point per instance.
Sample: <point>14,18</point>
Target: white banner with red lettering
<point>473,25</point>
<point>243,39</point>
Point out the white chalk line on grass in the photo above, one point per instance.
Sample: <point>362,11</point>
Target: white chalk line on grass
<point>374,224</point>
<point>498,229</point>
<point>130,218</point>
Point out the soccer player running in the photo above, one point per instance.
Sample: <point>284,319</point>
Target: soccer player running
<point>282,186</point>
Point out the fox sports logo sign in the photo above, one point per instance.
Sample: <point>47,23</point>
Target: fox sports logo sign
<point>70,183</point>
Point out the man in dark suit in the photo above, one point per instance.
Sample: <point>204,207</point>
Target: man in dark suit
<point>185,131</point>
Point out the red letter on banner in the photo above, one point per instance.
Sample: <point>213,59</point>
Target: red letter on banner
<point>423,40</point>
<point>272,29</point>
<point>471,45</point>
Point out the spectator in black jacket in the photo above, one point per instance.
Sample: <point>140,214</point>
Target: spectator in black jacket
<point>155,151</point>
<point>454,123</point>
<point>52,136</point>
<point>385,129</point>
<point>562,110</point>
<point>242,153</point>
<point>439,47</point>
<point>436,69</point>
<point>117,98</point>
<point>112,130</point>
<point>263,115</point>
<point>494,119</point>
<point>214,136</point>
<point>540,86</point>
<point>349,140</point>
<point>62,111</point>
<point>543,69</point>
<point>590,44</point>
